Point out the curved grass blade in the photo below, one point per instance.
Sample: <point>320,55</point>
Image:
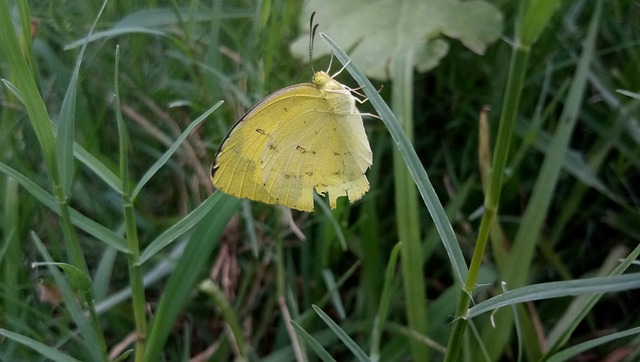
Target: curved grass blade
<point>178,229</point>
<point>165,157</point>
<point>91,341</point>
<point>418,173</point>
<point>91,227</point>
<point>46,351</point>
<point>558,289</point>
<point>571,352</point>
<point>344,337</point>
<point>313,343</point>
<point>188,270</point>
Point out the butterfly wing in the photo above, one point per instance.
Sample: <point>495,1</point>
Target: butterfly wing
<point>323,147</point>
<point>236,169</point>
<point>295,140</point>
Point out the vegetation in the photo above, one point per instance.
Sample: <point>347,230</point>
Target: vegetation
<point>116,247</point>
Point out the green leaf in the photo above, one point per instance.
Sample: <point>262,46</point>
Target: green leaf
<point>376,31</point>
<point>49,352</point>
<point>78,279</point>
<point>93,228</point>
<point>194,258</point>
<point>174,147</point>
<point>573,351</point>
<point>178,229</point>
<point>26,86</point>
<point>312,342</point>
<point>535,18</point>
<point>344,337</point>
<point>90,340</point>
<point>418,173</point>
<point>146,22</point>
<point>558,289</point>
<point>67,120</point>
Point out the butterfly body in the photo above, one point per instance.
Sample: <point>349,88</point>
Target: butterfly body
<point>300,138</point>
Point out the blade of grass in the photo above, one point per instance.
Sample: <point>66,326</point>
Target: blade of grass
<point>383,309</point>
<point>564,288</point>
<point>580,308</point>
<point>174,147</point>
<point>10,252</point>
<point>133,257</point>
<point>91,227</point>
<point>178,229</point>
<point>344,337</point>
<point>45,350</point>
<point>188,270</point>
<point>412,161</point>
<point>91,339</point>
<point>406,203</point>
<point>313,343</point>
<point>26,85</point>
<point>229,315</point>
<point>572,352</point>
<point>67,119</point>
<point>517,267</point>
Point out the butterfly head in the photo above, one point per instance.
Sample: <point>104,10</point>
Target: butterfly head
<point>323,81</point>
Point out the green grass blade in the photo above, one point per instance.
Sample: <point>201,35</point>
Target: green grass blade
<point>344,337</point>
<point>558,289</point>
<point>98,168</point>
<point>144,22</point>
<point>45,350</point>
<point>138,300</point>
<point>91,341</point>
<point>517,267</point>
<point>229,315</point>
<point>174,147</point>
<point>28,89</point>
<point>178,229</point>
<point>336,298</point>
<point>113,33</point>
<point>93,228</point>
<point>418,173</point>
<point>571,352</point>
<point>385,301</point>
<point>188,270</point>
<point>312,343</point>
<point>10,251</point>
<point>67,120</point>
<point>580,308</point>
<point>406,206</point>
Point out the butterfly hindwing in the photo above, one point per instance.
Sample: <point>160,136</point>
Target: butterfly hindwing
<point>300,138</point>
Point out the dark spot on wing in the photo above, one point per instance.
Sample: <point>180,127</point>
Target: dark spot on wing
<point>304,150</point>
<point>261,131</point>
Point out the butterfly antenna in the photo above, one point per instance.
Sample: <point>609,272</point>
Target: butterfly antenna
<point>312,36</point>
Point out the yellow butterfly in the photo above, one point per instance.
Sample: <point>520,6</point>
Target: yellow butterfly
<point>300,138</point>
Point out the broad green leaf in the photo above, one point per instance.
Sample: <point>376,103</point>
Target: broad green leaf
<point>376,31</point>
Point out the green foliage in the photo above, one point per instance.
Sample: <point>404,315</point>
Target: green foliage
<point>379,32</point>
<point>110,225</point>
